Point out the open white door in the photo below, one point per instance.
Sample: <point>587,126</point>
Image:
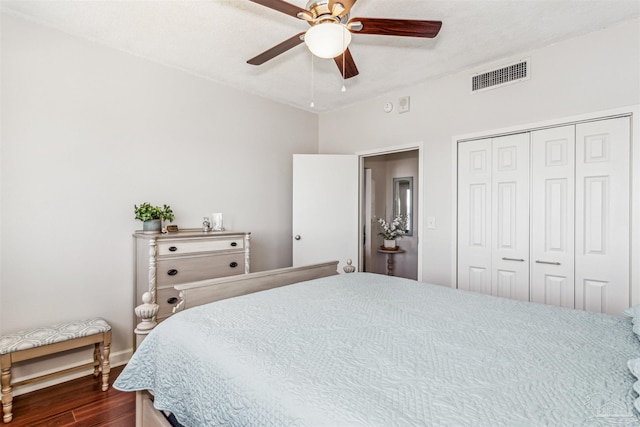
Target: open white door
<point>325,209</point>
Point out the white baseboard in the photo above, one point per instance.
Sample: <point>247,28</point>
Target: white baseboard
<point>115,359</point>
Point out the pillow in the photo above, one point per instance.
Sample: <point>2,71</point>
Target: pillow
<point>634,364</point>
<point>633,312</point>
<point>634,367</point>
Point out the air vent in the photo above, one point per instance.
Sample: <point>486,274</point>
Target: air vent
<point>501,76</point>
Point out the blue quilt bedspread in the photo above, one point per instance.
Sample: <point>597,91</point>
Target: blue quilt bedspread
<point>368,350</point>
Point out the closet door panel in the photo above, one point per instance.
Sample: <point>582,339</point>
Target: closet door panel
<point>510,216</point>
<point>506,283</point>
<point>602,215</point>
<point>552,216</point>
<point>474,216</point>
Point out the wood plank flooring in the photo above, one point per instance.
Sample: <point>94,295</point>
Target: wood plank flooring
<point>76,403</point>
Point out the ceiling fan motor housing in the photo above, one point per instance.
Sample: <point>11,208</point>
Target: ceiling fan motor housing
<point>321,12</point>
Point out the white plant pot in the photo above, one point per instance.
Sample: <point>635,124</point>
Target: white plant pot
<point>389,243</point>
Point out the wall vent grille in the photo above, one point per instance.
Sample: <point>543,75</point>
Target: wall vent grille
<point>501,76</point>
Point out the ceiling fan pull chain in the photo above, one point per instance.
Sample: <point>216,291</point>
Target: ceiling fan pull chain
<point>344,53</point>
<point>312,104</point>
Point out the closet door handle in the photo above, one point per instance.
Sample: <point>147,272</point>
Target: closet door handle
<point>172,272</point>
<point>547,262</point>
<point>512,259</point>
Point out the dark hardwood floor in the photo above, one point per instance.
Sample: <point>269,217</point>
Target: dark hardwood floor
<point>78,402</point>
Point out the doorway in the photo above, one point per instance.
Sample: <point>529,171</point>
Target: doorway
<point>385,177</point>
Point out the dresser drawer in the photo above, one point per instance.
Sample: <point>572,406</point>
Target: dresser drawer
<point>166,298</point>
<point>192,246</point>
<point>188,269</point>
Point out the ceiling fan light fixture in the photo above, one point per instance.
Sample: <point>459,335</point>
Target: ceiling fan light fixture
<point>327,40</point>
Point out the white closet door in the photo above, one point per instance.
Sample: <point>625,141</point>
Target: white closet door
<point>602,215</point>
<point>552,216</point>
<point>510,217</point>
<point>474,216</point>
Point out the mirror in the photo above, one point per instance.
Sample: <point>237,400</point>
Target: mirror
<point>403,200</point>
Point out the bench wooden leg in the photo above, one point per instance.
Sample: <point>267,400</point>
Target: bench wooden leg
<point>106,366</point>
<point>97,359</point>
<point>7,394</point>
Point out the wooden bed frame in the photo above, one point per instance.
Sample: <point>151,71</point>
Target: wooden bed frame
<point>206,291</point>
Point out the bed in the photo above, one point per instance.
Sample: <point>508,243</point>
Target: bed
<point>371,350</point>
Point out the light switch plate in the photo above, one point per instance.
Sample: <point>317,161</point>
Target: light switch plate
<point>431,222</point>
<point>404,104</point>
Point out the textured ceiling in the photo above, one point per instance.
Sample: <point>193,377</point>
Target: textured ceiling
<point>215,38</point>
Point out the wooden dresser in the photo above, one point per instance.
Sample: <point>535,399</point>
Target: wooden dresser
<point>163,260</point>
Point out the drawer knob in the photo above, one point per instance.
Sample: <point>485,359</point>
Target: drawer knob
<point>172,300</point>
<point>234,244</point>
<point>172,272</point>
<point>233,264</point>
<point>173,248</point>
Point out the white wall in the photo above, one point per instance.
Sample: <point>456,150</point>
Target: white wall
<point>595,72</point>
<point>87,132</point>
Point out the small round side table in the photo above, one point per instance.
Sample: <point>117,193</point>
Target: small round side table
<point>390,254</point>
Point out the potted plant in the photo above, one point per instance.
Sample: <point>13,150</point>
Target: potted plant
<point>152,216</point>
<point>392,230</point>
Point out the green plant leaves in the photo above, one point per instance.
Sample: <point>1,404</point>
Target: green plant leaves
<point>146,212</point>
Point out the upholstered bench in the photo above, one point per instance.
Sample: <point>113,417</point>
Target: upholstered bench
<point>38,342</point>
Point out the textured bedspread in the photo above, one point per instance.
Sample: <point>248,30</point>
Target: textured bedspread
<point>365,349</point>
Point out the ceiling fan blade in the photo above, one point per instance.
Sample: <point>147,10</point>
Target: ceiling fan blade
<point>277,50</point>
<point>281,6</point>
<point>395,27</point>
<point>347,4</point>
<point>350,69</point>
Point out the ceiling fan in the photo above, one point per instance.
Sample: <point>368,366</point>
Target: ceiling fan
<point>331,28</point>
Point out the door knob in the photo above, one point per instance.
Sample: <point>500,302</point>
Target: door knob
<point>297,237</point>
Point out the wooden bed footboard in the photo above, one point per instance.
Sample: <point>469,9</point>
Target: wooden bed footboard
<point>206,291</point>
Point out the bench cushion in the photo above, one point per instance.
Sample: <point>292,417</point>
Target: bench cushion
<point>37,337</point>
